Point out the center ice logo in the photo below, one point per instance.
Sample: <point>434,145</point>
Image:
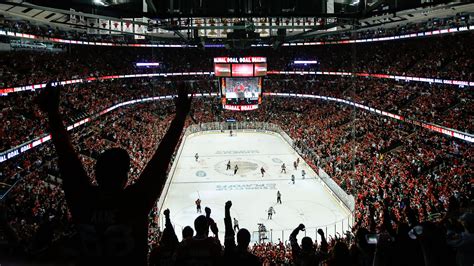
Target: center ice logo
<point>244,167</point>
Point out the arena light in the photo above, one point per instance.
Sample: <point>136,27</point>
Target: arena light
<point>305,62</point>
<point>214,46</point>
<point>100,3</point>
<point>148,64</point>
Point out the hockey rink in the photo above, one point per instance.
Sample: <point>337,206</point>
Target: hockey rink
<point>307,201</point>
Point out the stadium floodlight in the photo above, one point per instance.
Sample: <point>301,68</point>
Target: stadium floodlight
<point>100,3</point>
<point>147,64</point>
<point>306,62</point>
<point>355,3</point>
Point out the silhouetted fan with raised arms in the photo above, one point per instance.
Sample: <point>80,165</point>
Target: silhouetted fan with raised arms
<point>112,218</point>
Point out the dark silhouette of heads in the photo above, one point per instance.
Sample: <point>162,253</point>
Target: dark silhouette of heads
<point>243,238</point>
<point>188,232</point>
<point>201,225</point>
<point>112,168</point>
<point>307,243</point>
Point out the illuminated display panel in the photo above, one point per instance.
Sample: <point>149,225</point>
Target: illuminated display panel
<point>241,94</point>
<point>242,70</point>
<point>240,66</point>
<point>260,69</point>
<point>240,88</point>
<point>222,70</point>
<point>241,60</point>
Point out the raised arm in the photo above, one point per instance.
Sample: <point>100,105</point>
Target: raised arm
<point>173,239</point>
<point>75,178</point>
<point>154,175</point>
<point>295,247</point>
<point>212,224</point>
<point>324,244</point>
<point>229,240</point>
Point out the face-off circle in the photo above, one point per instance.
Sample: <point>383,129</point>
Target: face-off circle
<point>201,173</point>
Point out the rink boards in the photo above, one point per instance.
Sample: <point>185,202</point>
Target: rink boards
<point>307,201</point>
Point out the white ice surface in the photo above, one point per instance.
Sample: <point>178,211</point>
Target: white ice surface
<point>307,201</point>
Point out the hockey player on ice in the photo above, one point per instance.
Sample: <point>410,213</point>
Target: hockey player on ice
<point>262,171</point>
<point>271,211</point>
<point>196,156</point>
<point>198,206</point>
<point>303,173</point>
<point>236,168</point>
<point>236,225</point>
<point>228,166</point>
<point>283,168</point>
<point>278,197</point>
<point>293,179</point>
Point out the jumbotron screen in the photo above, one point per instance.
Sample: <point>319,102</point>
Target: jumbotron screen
<point>240,66</point>
<point>241,94</point>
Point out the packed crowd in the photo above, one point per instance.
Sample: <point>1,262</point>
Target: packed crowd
<point>38,199</point>
<point>383,163</point>
<point>432,24</point>
<point>381,160</point>
<point>78,101</point>
<point>447,57</point>
<point>33,67</point>
<point>412,100</point>
<point>438,104</point>
<point>403,178</point>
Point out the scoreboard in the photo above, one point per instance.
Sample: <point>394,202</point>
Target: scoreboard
<point>240,66</point>
<point>241,80</point>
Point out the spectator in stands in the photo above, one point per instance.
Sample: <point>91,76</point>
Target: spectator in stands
<point>163,253</point>
<point>187,233</point>
<point>361,252</point>
<point>339,255</point>
<point>110,212</point>
<point>306,254</point>
<point>212,224</point>
<point>10,246</point>
<point>463,242</point>
<point>201,249</point>
<point>237,255</point>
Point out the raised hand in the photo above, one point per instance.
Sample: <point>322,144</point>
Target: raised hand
<point>214,229</point>
<point>166,212</point>
<point>301,227</point>
<point>228,204</point>
<point>320,231</point>
<point>48,99</point>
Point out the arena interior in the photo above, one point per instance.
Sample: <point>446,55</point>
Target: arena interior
<point>240,132</point>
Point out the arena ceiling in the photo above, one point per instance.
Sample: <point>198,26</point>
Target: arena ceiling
<point>183,23</point>
<point>238,8</point>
